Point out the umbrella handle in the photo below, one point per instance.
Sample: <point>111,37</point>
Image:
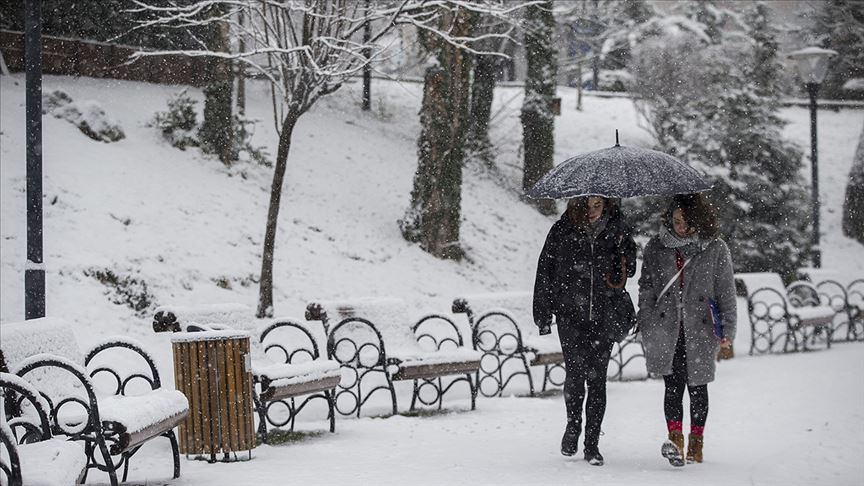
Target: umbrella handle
<point>623,282</point>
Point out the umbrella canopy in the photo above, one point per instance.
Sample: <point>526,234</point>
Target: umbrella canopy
<point>619,172</point>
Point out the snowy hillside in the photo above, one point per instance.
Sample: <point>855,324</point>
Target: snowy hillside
<point>191,230</point>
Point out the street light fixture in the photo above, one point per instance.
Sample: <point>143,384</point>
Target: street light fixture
<point>812,65</point>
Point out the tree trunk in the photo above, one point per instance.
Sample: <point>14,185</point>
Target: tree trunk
<point>217,130</point>
<point>265,288</point>
<point>433,218</point>
<point>538,122</point>
<point>853,206</point>
<point>240,68</point>
<point>482,93</point>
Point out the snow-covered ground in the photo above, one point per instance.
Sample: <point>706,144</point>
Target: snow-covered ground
<point>192,230</point>
<point>776,420</point>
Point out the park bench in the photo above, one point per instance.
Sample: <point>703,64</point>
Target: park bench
<point>825,287</point>
<point>780,319</point>
<point>509,342</point>
<point>502,327</point>
<point>377,342</point>
<point>113,423</point>
<point>287,367</point>
<point>31,454</point>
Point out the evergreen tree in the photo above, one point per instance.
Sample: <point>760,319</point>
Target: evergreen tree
<point>714,105</point>
<point>538,121</point>
<point>434,216</point>
<point>839,25</point>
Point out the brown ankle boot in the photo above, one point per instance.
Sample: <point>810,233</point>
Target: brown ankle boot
<point>677,437</point>
<point>694,448</point>
<point>673,449</point>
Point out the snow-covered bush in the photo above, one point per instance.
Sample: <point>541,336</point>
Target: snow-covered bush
<point>179,122</point>
<point>179,126</point>
<point>88,116</point>
<point>124,289</point>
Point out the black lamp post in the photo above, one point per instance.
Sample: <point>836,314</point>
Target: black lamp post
<point>34,271</point>
<point>812,65</point>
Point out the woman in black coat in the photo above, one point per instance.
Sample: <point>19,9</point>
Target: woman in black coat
<point>588,254</point>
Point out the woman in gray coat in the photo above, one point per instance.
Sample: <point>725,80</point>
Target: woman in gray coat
<point>687,312</point>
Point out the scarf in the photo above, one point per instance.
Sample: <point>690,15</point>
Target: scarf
<point>671,240</point>
<point>687,246</point>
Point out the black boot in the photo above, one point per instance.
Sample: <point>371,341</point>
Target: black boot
<point>570,441</point>
<point>593,456</point>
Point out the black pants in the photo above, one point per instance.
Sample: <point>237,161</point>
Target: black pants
<point>673,402</point>
<point>586,359</point>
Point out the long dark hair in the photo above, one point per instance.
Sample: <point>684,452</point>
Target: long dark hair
<point>577,209</point>
<point>698,212</point>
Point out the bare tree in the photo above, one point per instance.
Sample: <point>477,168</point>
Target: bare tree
<point>306,49</point>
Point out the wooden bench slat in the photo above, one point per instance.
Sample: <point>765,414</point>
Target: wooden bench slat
<point>231,384</point>
<point>288,391</point>
<point>426,371</point>
<point>548,358</point>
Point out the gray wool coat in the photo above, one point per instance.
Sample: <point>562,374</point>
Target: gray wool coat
<point>708,275</point>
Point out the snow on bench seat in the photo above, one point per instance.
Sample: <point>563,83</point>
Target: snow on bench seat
<point>138,418</point>
<point>45,353</point>
<point>54,462</point>
<point>284,380</point>
<point>50,462</point>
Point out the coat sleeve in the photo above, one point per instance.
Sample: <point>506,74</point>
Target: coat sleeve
<point>628,249</point>
<point>544,291</point>
<point>647,280</point>
<point>724,291</point>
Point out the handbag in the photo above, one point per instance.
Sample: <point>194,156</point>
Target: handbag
<point>620,315</point>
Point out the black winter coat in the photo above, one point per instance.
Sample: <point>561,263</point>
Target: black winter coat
<point>572,270</point>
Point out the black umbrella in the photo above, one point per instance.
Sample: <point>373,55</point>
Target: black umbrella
<point>619,172</point>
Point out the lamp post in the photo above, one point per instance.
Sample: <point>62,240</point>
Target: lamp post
<point>812,65</point>
<point>34,271</point>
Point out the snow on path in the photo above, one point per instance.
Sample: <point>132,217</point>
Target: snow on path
<point>794,419</point>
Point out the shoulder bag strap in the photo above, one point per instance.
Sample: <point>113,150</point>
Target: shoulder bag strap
<point>672,280</point>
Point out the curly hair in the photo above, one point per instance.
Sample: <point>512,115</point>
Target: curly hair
<point>698,212</point>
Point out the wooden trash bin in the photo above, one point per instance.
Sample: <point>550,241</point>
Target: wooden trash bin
<point>213,370</point>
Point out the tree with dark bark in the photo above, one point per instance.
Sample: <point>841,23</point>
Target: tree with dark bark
<point>538,121</point>
<point>853,205</point>
<point>483,80</point>
<point>433,218</point>
<point>217,130</point>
